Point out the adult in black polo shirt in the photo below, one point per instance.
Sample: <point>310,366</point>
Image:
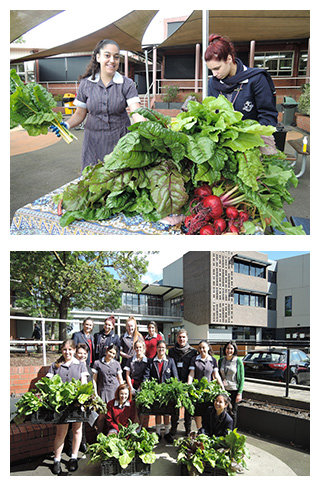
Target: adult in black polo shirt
<point>182,353</point>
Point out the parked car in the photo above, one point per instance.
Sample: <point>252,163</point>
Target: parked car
<point>272,365</point>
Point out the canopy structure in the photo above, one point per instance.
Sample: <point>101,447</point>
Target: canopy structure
<point>127,32</point>
<point>243,25</point>
<point>22,21</point>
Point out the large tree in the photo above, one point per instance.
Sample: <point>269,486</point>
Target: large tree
<point>59,281</point>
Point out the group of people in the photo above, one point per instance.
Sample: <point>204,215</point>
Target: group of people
<point>118,365</point>
<point>104,95</point>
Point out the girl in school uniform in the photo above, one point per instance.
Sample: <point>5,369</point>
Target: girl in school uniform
<point>102,101</point>
<point>107,374</point>
<point>216,421</point>
<point>120,410</point>
<point>137,368</point>
<point>204,365</point>
<point>68,367</point>
<point>151,339</point>
<point>163,368</point>
<point>128,340</point>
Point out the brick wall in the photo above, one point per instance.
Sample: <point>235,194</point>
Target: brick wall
<point>30,440</point>
<point>23,378</point>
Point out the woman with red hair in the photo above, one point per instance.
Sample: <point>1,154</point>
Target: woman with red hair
<point>250,90</point>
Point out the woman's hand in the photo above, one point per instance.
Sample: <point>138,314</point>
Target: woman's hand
<point>238,397</point>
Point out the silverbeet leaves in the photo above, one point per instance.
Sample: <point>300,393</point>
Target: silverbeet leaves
<point>147,173</point>
<point>31,107</point>
<point>154,169</point>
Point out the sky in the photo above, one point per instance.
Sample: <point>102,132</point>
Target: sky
<point>165,257</point>
<point>70,25</point>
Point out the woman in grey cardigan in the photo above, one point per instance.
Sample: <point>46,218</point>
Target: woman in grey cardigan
<point>232,374</point>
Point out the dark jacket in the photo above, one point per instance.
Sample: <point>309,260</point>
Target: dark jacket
<point>169,370</point>
<point>214,425</point>
<point>182,361</point>
<point>81,338</point>
<point>103,340</point>
<point>251,91</point>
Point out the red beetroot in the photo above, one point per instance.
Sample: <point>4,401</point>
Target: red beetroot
<point>214,204</point>
<point>233,229</point>
<point>207,230</point>
<point>243,216</point>
<point>232,212</point>
<point>203,191</point>
<point>219,225</point>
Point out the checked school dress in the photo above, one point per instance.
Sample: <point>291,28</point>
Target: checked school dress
<point>107,119</point>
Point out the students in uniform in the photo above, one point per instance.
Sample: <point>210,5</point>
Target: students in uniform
<point>106,337</point>
<point>204,365</point>
<point>84,336</point>
<point>102,99</point>
<point>128,339</point>
<point>151,339</point>
<point>107,374</point>
<point>250,90</point>
<point>161,369</point>
<point>68,367</point>
<point>137,368</point>
<point>217,420</point>
<point>120,410</point>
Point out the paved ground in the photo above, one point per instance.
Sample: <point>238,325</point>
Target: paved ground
<point>266,459</point>
<point>37,169</point>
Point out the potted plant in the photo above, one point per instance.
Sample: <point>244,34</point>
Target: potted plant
<point>53,401</point>
<point>303,114</point>
<point>169,96</point>
<point>214,456</point>
<point>127,452</point>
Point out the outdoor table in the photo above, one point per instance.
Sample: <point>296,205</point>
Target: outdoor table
<point>41,218</point>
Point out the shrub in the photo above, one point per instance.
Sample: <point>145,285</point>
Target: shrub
<point>304,100</point>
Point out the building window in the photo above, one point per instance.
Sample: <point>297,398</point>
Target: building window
<point>288,306</point>
<point>272,277</point>
<point>303,61</point>
<point>272,304</point>
<point>25,73</point>
<point>277,63</point>
<point>249,299</point>
<point>249,269</point>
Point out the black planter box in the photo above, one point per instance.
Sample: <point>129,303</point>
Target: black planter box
<point>208,471</point>
<point>156,409</point>
<point>280,427</point>
<point>111,467</point>
<point>66,416</point>
<point>201,408</point>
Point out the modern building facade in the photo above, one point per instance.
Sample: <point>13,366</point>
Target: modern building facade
<point>243,295</point>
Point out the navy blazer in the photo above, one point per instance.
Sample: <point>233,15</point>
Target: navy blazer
<point>169,370</point>
<point>214,425</point>
<point>80,338</point>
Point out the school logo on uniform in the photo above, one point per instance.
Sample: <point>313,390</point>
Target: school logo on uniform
<point>247,106</point>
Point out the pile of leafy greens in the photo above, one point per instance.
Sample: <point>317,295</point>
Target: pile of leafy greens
<point>125,446</point>
<point>154,169</point>
<point>53,394</point>
<point>31,107</point>
<point>198,452</point>
<point>177,393</point>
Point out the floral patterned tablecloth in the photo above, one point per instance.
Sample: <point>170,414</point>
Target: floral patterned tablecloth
<point>40,218</point>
